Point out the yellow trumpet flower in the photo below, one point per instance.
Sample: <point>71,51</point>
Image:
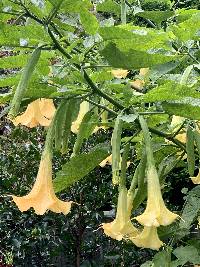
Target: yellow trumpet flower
<point>196,180</point>
<point>121,226</point>
<point>156,213</point>
<point>38,112</point>
<point>119,73</point>
<point>148,238</point>
<point>42,196</point>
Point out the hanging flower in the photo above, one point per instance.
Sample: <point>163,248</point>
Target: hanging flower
<point>148,238</point>
<point>122,225</point>
<point>38,112</point>
<point>42,196</point>
<point>156,213</point>
<point>196,180</point>
<point>119,73</point>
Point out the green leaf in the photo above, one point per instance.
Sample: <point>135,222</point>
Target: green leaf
<point>162,259</point>
<point>9,80</point>
<point>185,14</point>
<point>109,6</point>
<point>186,254</point>
<point>159,70</point>
<point>79,166</point>
<point>89,21</point>
<point>188,107</point>
<point>75,6</point>
<point>33,34</point>
<point>191,209</point>
<point>187,30</point>
<point>170,91</point>
<point>127,37</point>
<point>133,59</point>
<point>17,61</point>
<point>190,151</point>
<point>156,16</point>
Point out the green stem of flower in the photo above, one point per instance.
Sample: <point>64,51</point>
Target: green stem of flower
<point>122,180</point>
<point>147,140</point>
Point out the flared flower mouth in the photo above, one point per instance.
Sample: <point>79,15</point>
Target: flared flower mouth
<point>196,179</point>
<point>42,196</point>
<point>118,230</point>
<point>121,227</point>
<point>38,112</point>
<point>148,238</point>
<point>156,213</point>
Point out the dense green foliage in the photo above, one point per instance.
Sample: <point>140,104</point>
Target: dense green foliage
<point>66,50</point>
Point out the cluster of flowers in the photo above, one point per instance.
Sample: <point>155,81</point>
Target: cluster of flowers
<point>155,214</point>
<point>42,196</point>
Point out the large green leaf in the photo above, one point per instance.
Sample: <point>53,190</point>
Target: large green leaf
<point>80,166</point>
<point>89,21</point>
<point>9,80</point>
<point>133,59</point>
<point>109,6</point>
<point>128,37</point>
<point>185,14</point>
<point>186,254</point>
<point>188,107</point>
<point>189,29</point>
<point>12,35</point>
<point>170,91</point>
<point>74,6</point>
<point>13,61</point>
<point>156,16</point>
<point>191,208</point>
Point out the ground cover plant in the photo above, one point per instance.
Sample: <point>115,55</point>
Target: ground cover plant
<point>100,133</point>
